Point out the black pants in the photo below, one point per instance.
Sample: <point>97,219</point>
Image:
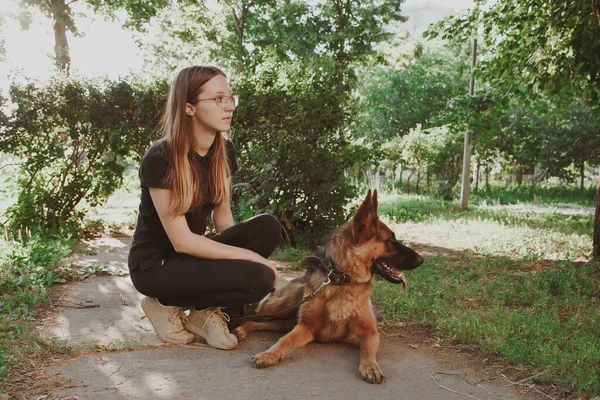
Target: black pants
<point>187,281</point>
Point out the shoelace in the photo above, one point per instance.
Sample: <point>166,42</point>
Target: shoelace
<point>178,318</point>
<point>222,318</point>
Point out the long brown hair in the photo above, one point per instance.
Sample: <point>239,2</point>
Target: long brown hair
<point>183,177</point>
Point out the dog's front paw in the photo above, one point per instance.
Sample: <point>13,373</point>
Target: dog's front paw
<point>266,359</point>
<point>371,372</point>
<point>240,333</point>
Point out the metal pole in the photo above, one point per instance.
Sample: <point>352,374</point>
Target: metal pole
<point>466,173</point>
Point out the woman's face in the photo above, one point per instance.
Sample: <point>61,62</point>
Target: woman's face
<point>207,114</point>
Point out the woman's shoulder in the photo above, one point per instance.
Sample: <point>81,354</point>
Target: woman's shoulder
<point>159,149</point>
<point>231,156</point>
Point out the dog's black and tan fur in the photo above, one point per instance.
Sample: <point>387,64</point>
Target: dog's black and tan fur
<point>339,313</point>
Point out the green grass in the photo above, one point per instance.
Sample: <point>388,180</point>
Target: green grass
<point>535,193</point>
<point>28,267</point>
<point>526,230</point>
<point>508,286</point>
<point>543,316</point>
<point>416,209</point>
<point>291,255</point>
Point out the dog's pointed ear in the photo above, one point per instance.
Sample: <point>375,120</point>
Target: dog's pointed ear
<point>362,226</point>
<point>375,204</point>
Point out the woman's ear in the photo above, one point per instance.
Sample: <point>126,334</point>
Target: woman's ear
<point>189,109</point>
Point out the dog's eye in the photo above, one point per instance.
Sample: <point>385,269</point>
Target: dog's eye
<point>392,238</point>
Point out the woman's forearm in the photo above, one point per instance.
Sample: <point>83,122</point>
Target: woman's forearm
<point>201,246</point>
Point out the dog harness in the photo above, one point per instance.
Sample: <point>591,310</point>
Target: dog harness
<point>327,267</point>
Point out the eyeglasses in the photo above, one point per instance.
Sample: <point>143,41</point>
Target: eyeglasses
<point>223,101</point>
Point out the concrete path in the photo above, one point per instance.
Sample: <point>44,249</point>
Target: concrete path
<point>104,313</point>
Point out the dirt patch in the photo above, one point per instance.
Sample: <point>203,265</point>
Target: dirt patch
<point>39,383</point>
<point>28,378</point>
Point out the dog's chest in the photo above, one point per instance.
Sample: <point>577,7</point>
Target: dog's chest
<point>345,306</point>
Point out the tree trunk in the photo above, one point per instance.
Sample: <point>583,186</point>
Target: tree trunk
<point>240,25</point>
<point>596,243</point>
<point>412,172</point>
<point>581,174</point>
<point>401,171</point>
<point>341,23</point>
<point>477,166</point>
<point>61,47</point>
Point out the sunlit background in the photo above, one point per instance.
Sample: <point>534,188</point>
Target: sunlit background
<point>102,48</point>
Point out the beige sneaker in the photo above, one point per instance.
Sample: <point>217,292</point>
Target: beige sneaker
<point>167,321</point>
<point>211,324</point>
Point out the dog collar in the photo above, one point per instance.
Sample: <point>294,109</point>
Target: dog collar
<point>327,267</point>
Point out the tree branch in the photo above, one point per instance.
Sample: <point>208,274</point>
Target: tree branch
<point>31,179</point>
<point>8,165</point>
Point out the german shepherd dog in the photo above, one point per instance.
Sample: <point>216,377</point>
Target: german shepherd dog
<point>339,310</point>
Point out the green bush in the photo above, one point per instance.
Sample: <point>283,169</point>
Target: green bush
<point>72,137</point>
<point>289,133</point>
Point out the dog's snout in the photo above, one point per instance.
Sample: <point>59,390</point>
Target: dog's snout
<point>415,261</point>
<point>419,260</point>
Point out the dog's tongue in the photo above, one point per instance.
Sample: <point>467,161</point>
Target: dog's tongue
<point>403,279</point>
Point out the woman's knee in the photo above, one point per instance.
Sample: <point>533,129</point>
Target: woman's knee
<point>271,226</point>
<point>263,281</point>
<point>144,282</point>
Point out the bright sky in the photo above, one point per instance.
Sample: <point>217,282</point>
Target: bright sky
<point>104,49</point>
<point>456,4</point>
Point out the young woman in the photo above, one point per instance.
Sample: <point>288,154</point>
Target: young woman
<point>184,177</point>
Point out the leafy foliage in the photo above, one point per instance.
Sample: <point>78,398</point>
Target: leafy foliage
<point>138,11</point>
<point>289,132</point>
<point>397,99</point>
<point>72,138</point>
<point>295,74</point>
<point>438,150</point>
<point>545,46</point>
<point>553,131</point>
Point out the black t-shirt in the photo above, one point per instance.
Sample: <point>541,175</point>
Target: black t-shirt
<point>150,244</point>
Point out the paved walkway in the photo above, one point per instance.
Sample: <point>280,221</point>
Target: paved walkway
<point>104,312</point>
